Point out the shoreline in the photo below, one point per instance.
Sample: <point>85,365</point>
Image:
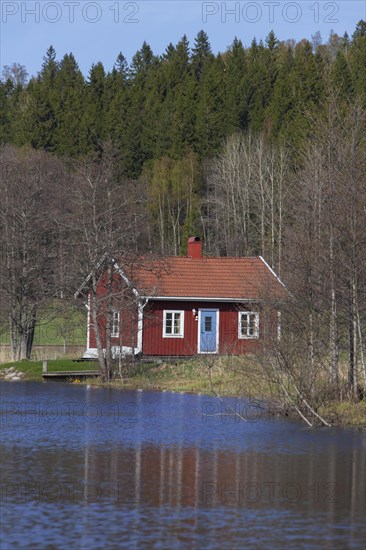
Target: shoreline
<point>226,380</point>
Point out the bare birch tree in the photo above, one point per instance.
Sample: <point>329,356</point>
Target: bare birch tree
<point>28,189</point>
<point>102,225</point>
<point>247,197</point>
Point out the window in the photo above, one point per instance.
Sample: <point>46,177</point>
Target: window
<point>173,324</point>
<point>208,324</point>
<point>248,324</point>
<point>115,324</point>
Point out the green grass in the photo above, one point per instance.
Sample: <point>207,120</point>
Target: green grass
<point>56,326</point>
<point>33,369</point>
<point>346,413</point>
<point>228,377</point>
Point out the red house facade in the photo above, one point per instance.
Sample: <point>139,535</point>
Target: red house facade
<point>186,306</point>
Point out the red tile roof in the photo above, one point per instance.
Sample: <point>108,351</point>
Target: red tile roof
<point>227,277</point>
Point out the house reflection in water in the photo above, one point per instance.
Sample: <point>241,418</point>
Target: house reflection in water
<point>179,476</point>
<point>173,479</point>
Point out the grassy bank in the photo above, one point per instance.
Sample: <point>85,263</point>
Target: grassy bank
<point>33,369</point>
<point>225,377</point>
<point>345,413</point>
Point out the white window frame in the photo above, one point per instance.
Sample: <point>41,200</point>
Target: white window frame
<point>255,336</point>
<point>174,312</point>
<point>115,328</point>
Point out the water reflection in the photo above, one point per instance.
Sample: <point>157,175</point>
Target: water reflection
<point>174,480</point>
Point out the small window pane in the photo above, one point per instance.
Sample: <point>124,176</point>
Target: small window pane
<point>169,323</point>
<point>177,323</point>
<point>243,324</point>
<point>115,324</point>
<point>208,324</point>
<point>252,325</point>
<point>249,325</point>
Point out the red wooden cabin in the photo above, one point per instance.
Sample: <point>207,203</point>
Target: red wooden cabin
<point>184,306</point>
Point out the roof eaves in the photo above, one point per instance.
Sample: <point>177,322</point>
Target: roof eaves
<point>202,298</point>
<point>87,279</point>
<point>126,279</point>
<point>273,272</point>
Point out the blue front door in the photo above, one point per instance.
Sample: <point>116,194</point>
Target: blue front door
<point>208,331</point>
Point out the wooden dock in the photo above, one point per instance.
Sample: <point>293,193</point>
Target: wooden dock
<point>70,374</point>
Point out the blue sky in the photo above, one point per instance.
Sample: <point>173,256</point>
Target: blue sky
<point>98,30</point>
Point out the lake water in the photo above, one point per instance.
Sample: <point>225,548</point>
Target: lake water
<point>85,467</point>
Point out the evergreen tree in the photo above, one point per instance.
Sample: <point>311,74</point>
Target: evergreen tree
<point>69,108</point>
<point>117,105</point>
<point>5,113</point>
<point>357,60</point>
<point>271,41</point>
<point>282,107</point>
<point>49,66</point>
<point>341,77</point>
<point>121,66</point>
<point>345,42</point>
<point>184,100</point>
<point>236,87</point>
<point>18,104</point>
<point>201,54</point>
<point>211,122</point>
<point>262,73</point>
<point>135,155</point>
<point>182,91</point>
<point>142,61</point>
<point>306,89</point>
<point>158,106</point>
<point>41,116</point>
<point>93,123</point>
<point>169,52</point>
<point>360,31</point>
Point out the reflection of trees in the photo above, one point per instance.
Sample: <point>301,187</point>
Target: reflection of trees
<point>193,477</point>
<point>328,480</point>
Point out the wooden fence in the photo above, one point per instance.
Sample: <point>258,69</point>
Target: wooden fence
<point>45,352</point>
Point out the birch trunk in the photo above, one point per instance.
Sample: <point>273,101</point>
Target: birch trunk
<point>108,324</point>
<point>333,342</point>
<point>95,309</point>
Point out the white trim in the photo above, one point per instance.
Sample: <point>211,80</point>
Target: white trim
<point>278,326</point>
<point>88,323</point>
<point>121,350</point>
<point>271,270</point>
<point>140,320</point>
<point>140,324</point>
<point>116,334</point>
<point>173,311</point>
<point>248,337</point>
<point>92,353</point>
<point>201,299</point>
<point>140,307</point>
<point>87,279</point>
<point>126,279</point>
<point>217,311</point>
<point>116,267</point>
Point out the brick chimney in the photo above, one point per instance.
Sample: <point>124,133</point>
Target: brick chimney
<point>194,248</point>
